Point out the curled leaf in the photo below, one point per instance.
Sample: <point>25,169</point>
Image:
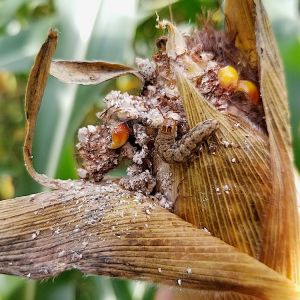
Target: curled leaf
<point>34,94</point>
<point>89,72</point>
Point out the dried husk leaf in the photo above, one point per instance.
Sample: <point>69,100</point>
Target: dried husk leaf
<point>103,229</point>
<point>175,45</point>
<point>280,248</point>
<point>34,93</point>
<point>225,190</point>
<point>89,72</point>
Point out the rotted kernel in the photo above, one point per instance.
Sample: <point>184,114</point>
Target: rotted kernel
<point>119,136</point>
<point>250,89</point>
<point>228,78</point>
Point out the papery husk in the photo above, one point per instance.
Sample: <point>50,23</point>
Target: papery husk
<point>258,213</point>
<point>89,72</point>
<point>280,248</point>
<point>224,190</point>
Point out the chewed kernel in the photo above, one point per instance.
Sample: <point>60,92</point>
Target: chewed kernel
<point>119,136</point>
<point>228,77</point>
<point>249,88</point>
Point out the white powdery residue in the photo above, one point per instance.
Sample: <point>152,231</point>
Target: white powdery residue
<point>151,89</point>
<point>159,270</point>
<point>206,230</point>
<point>140,197</point>
<point>171,92</point>
<point>179,282</point>
<point>83,135</point>
<point>76,256</point>
<point>226,144</point>
<point>77,229</point>
<point>146,67</point>
<point>35,234</point>
<point>82,173</point>
<point>57,231</point>
<point>154,117</point>
<point>207,56</point>
<point>174,116</point>
<point>91,128</point>
<point>233,160</point>
<point>61,253</point>
<point>189,271</point>
<point>164,201</point>
<point>140,156</point>
<point>226,188</point>
<point>124,106</point>
<point>218,190</point>
<point>84,243</point>
<point>247,145</point>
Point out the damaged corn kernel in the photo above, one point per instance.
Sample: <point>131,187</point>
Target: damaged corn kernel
<point>250,89</point>
<point>119,136</point>
<point>228,77</point>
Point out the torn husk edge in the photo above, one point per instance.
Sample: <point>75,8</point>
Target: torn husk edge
<point>254,37</point>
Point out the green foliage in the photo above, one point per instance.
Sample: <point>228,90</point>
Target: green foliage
<point>112,31</point>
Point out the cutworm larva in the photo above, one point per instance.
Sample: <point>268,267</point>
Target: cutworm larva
<point>172,151</point>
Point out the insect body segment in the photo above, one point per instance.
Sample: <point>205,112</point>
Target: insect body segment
<point>172,151</point>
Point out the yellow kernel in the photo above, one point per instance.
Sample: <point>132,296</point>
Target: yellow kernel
<point>119,136</point>
<point>228,77</point>
<point>250,89</point>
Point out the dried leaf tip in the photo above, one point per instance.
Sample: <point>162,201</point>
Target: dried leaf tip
<point>52,33</point>
<point>176,44</point>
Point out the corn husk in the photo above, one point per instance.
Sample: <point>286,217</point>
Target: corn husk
<point>245,193</point>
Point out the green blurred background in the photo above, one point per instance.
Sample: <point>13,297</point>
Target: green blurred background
<point>113,30</point>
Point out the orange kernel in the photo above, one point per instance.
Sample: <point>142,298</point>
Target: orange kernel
<point>119,136</point>
<point>228,77</point>
<point>250,89</point>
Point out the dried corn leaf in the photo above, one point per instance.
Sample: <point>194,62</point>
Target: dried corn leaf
<point>34,94</point>
<point>224,190</point>
<point>103,229</point>
<point>88,72</point>
<point>281,223</point>
<point>176,43</point>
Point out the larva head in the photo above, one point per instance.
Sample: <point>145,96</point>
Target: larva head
<point>169,127</point>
